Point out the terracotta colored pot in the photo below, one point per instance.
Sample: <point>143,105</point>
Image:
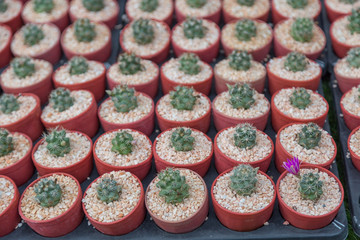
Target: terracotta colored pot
<point>9,218</point>
<point>215,17</point>
<point>332,14</point>
<point>352,121</point>
<point>5,52</point>
<point>124,225</point>
<point>15,22</point>
<point>242,222</point>
<point>86,122</point>
<point>60,225</point>
<point>144,125</point>
<point>281,155</point>
<point>279,119</point>
<point>150,88</point>
<point>354,157</point>
<point>257,54</point>
<point>345,83</point>
<point>158,57</point>
<point>202,123</point>
<point>341,49</point>
<point>186,225</point>
<point>32,119</point>
<point>228,17</point>
<point>303,221</point>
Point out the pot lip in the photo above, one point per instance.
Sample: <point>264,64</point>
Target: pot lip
<point>273,8</point>
<point>312,166</point>
<point>7,45</point>
<point>206,199</point>
<point>123,168</point>
<point>131,18</point>
<point>271,204</point>
<point>341,75</point>
<point>225,12</point>
<point>179,12</point>
<point>343,109</point>
<point>78,199</point>
<point>334,39</point>
<point>141,199</point>
<point>14,199</point>
<point>348,142</point>
<point>65,13</point>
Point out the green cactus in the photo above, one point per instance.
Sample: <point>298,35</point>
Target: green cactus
<point>61,99</point>
<point>300,98</point>
<point>149,5</point>
<point>3,6</point>
<point>122,143</point>
<point>245,30</point>
<point>78,65</point>
<point>297,4</point>
<point>247,3</point>
<point>245,136</point>
<point>309,136</point>
<point>108,190</point>
<point>84,30</point>
<point>193,28</point>
<point>93,5</point>
<point>310,187</point>
<point>23,66</point>
<point>183,98</point>
<point>182,140</point>
<point>124,98</point>
<point>240,60</point>
<point>130,64</point>
<point>295,62</point>
<point>302,30</point>
<point>348,1</point>
<point>189,64</point>
<point>243,179</point>
<point>48,192</point>
<point>143,31</point>
<point>58,144</point>
<point>241,96</point>
<point>43,6</point>
<point>354,21</point>
<point>353,57</point>
<point>32,34</point>
<point>173,186</point>
<point>196,3</point>
<point>6,142</point>
<point>9,103</point>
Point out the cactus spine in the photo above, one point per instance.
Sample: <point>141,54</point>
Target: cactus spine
<point>78,65</point>
<point>124,98</point>
<point>108,190</point>
<point>149,5</point>
<point>297,4</point>
<point>183,98</point>
<point>129,64</point>
<point>310,187</point>
<point>122,143</point>
<point>193,28</point>
<point>240,60</point>
<point>23,66</point>
<point>9,103</point>
<point>32,34</point>
<point>43,6</point>
<point>247,3</point>
<point>61,99</point>
<point>245,30</point>
<point>6,142</point>
<point>295,62</point>
<point>243,179</point>
<point>3,6</point>
<point>189,64</point>
<point>84,30</point>
<point>300,98</point>
<point>302,29</point>
<point>93,5</point>
<point>245,136</point>
<point>196,3</point>
<point>353,57</point>
<point>58,144</point>
<point>309,136</point>
<point>48,192</point>
<point>143,31</point>
<point>241,96</point>
<point>182,140</point>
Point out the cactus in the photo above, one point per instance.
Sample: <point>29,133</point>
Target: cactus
<point>245,136</point>
<point>122,143</point>
<point>93,5</point>
<point>78,65</point>
<point>43,6</point>
<point>295,62</point>
<point>57,143</point>
<point>48,192</point>
<point>353,57</point>
<point>6,142</point>
<point>240,60</point>
<point>9,103</point>
<point>130,64</point>
<point>354,21</point>
<point>143,31</point>
<point>61,99</point>
<point>245,30</point>
<point>247,3</point>
<point>300,98</point>
<point>3,6</point>
<point>149,5</point>
<point>23,66</point>
<point>309,136</point>
<point>297,4</point>
<point>189,64</point>
<point>302,29</point>
<point>243,179</point>
<point>108,190</point>
<point>182,140</point>
<point>196,3</point>
<point>310,187</point>
<point>193,28</point>
<point>32,34</point>
<point>124,98</point>
<point>183,98</point>
<point>173,186</point>
<point>241,96</point>
<point>84,30</point>
<point>348,1</point>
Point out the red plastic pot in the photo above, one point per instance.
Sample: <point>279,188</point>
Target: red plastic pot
<point>15,22</point>
<point>60,225</point>
<point>215,17</point>
<point>124,225</point>
<point>351,120</point>
<point>228,17</point>
<point>332,13</point>
<point>9,218</point>
<point>32,119</point>
<point>242,222</point>
<point>5,52</point>
<point>279,119</point>
<point>354,157</point>
<point>345,83</point>
<point>187,225</point>
<point>303,221</point>
<point>281,155</point>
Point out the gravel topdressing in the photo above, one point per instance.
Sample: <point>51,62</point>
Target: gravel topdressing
<point>60,9</point>
<point>164,9</point>
<point>310,10</point>
<point>342,33</point>
<point>21,147</point>
<point>210,7</point>
<point>78,10</point>
<point>14,8</point>
<point>7,192</point>
<point>259,8</point>
<point>351,101</point>
<point>344,69</point>
<point>27,104</point>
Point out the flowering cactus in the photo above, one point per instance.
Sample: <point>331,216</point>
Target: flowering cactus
<point>292,166</point>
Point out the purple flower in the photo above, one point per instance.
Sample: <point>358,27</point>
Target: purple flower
<point>292,165</point>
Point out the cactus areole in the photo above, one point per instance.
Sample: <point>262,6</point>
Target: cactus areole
<point>93,5</point>
<point>183,98</point>
<point>8,103</point>
<point>23,66</point>
<point>245,136</point>
<point>243,179</point>
<point>61,99</point>
<point>182,140</point>
<point>108,190</point>
<point>300,98</point>
<point>48,192</point>
<point>193,28</point>
<point>241,96</point>
<point>124,98</point>
<point>6,143</point>
<point>122,143</point>
<point>309,136</point>
<point>296,62</point>
<point>78,65</point>
<point>189,64</point>
<point>129,64</point>
<point>58,144</point>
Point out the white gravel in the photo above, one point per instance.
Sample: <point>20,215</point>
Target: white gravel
<point>259,8</point>
<point>7,193</point>
<point>27,104</point>
<point>21,147</point>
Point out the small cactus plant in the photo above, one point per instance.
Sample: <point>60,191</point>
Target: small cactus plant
<point>32,34</point>
<point>354,21</point>
<point>8,103</point>
<point>182,140</point>
<point>245,30</point>
<point>297,4</point>
<point>3,6</point>
<point>124,98</point>
<point>23,66</point>
<point>196,3</point>
<point>43,6</point>
<point>302,29</point>
<point>149,5</point>
<point>130,64</point>
<point>173,186</point>
<point>245,136</point>
<point>58,144</point>
<point>309,136</point>
<point>84,30</point>
<point>243,179</point>
<point>93,5</point>
<point>241,96</point>
<point>6,142</point>
<point>295,62</point>
<point>108,190</point>
<point>193,28</point>
<point>247,3</point>
<point>353,57</point>
<point>300,98</point>
<point>48,192</point>
<point>240,60</point>
<point>78,65</point>
<point>189,64</point>
<point>122,143</point>
<point>183,98</point>
<point>61,99</point>
<point>310,187</point>
<point>143,31</point>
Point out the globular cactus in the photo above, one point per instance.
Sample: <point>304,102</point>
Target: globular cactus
<point>245,30</point>
<point>48,192</point>
<point>243,179</point>
<point>78,65</point>
<point>196,3</point>
<point>241,96</point>
<point>310,187</point>
<point>348,1</point>
<point>93,5</point>
<point>122,143</point>
<point>354,21</point>
<point>173,186</point>
<point>189,64</point>
<point>193,28</point>
<point>8,103</point>
<point>247,3</point>
<point>124,98</point>
<point>183,98</point>
<point>43,6</point>
<point>353,57</point>
<point>58,144</point>
<point>108,190</point>
<point>300,98</point>
<point>61,99</point>
<point>143,31</point>
<point>149,5</point>
<point>6,142</point>
<point>182,140</point>
<point>3,6</point>
<point>302,29</point>
<point>295,62</point>
<point>309,136</point>
<point>32,34</point>
<point>23,66</point>
<point>240,60</point>
<point>297,4</point>
<point>84,30</point>
<point>245,136</point>
<point>130,64</point>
